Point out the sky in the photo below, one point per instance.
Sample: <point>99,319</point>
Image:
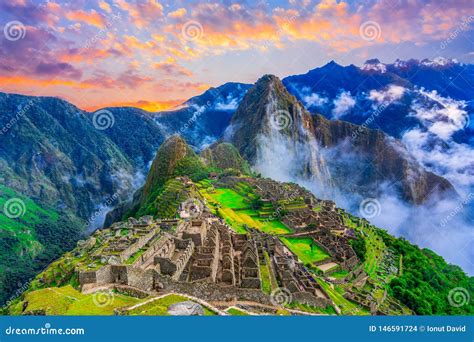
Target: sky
<point>155,54</point>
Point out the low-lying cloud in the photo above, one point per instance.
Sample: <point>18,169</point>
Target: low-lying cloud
<point>343,103</point>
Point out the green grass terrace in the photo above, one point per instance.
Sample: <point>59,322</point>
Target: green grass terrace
<point>236,207</point>
<point>305,249</point>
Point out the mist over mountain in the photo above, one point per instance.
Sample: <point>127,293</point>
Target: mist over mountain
<point>399,133</point>
<point>202,119</point>
<point>274,132</point>
<point>53,152</point>
<point>427,104</point>
<point>353,165</point>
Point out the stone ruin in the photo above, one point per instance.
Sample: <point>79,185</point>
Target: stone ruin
<point>205,254</point>
<point>319,220</point>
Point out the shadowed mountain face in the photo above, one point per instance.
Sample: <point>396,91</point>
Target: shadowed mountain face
<point>52,152</point>
<point>274,132</point>
<point>281,140</point>
<point>362,159</point>
<point>136,134</point>
<point>58,156</point>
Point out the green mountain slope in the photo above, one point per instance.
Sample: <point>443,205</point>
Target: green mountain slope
<point>391,272</point>
<point>31,236</point>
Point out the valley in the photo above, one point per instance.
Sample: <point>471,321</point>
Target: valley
<point>264,167</point>
<point>225,243</point>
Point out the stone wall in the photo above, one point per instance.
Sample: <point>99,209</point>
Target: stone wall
<point>127,253</point>
<point>214,292</point>
<point>144,280</point>
<point>308,298</point>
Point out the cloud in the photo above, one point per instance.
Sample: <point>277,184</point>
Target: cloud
<point>23,81</point>
<point>142,13</point>
<point>28,12</point>
<point>391,94</point>
<point>223,28</point>
<point>230,103</point>
<point>425,226</point>
<point>314,100</point>
<point>179,13</point>
<point>92,17</point>
<point>451,160</point>
<point>131,79</point>
<point>150,32</point>
<point>431,225</point>
<point>105,6</point>
<point>63,70</point>
<point>150,106</point>
<point>444,117</point>
<point>170,67</point>
<point>342,104</point>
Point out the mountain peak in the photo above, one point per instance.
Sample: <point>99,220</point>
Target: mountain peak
<point>374,65</point>
<point>372,61</point>
<point>266,79</point>
<point>169,161</point>
<point>272,130</point>
<point>438,62</point>
<point>331,64</point>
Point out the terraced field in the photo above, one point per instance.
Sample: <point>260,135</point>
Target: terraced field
<point>236,312</point>
<point>236,209</point>
<point>306,249</point>
<point>375,247</point>
<point>336,294</point>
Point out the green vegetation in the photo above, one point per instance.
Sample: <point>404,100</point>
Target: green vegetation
<point>375,248</point>
<point>165,201</point>
<point>424,280</point>
<point>306,249</point>
<point>428,283</point>
<point>236,207</point>
<point>265,276</point>
<point>135,256</point>
<point>339,274</point>
<point>31,241</point>
<point>229,198</point>
<point>237,312</point>
<point>359,246</point>
<point>160,306</point>
<point>347,307</point>
<point>68,301</point>
<point>225,156</point>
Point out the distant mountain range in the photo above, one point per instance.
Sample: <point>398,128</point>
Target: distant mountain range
<point>404,126</point>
